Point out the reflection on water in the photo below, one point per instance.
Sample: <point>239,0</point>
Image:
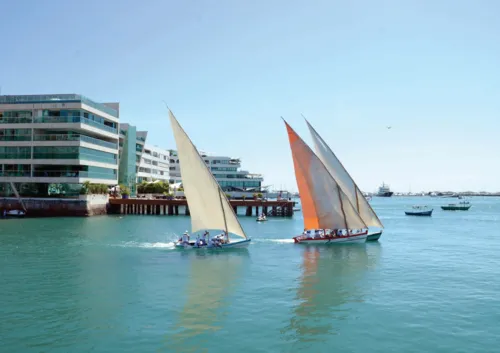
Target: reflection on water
<point>330,281</point>
<point>213,276</point>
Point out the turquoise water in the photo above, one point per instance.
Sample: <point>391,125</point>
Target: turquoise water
<point>114,284</point>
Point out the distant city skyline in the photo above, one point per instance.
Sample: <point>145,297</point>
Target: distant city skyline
<point>229,70</point>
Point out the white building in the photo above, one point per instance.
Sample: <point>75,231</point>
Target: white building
<point>57,142</point>
<point>154,164</point>
<point>226,171</point>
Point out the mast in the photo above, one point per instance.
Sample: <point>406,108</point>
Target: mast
<point>342,207</point>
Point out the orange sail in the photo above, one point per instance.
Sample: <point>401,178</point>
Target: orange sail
<point>324,204</point>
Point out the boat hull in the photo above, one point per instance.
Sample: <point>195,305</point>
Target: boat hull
<point>385,194</point>
<point>231,245</point>
<point>421,214</point>
<point>15,214</point>
<point>356,238</point>
<point>455,208</point>
<point>374,236</point>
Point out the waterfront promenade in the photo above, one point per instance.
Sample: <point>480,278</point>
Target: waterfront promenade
<point>281,208</point>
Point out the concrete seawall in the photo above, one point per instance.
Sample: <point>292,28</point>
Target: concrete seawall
<point>85,205</point>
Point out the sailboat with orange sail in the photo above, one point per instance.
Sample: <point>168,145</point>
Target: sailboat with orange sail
<point>329,215</point>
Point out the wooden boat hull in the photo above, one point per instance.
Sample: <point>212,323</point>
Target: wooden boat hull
<point>421,214</point>
<point>455,208</point>
<point>374,236</point>
<point>355,238</point>
<point>231,245</point>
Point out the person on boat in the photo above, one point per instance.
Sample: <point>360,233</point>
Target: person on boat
<point>198,242</point>
<point>185,238</point>
<point>214,243</point>
<point>211,243</point>
<point>206,235</point>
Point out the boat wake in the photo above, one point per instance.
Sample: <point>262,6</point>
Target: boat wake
<point>279,241</point>
<point>135,244</point>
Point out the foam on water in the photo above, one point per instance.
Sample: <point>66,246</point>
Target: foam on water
<point>279,241</point>
<point>135,244</point>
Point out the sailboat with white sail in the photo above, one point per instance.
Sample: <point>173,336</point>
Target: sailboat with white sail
<point>329,216</point>
<point>16,212</point>
<point>346,183</point>
<point>207,202</point>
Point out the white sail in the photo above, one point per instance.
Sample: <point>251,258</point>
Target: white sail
<point>208,205</point>
<point>344,180</point>
<point>13,186</point>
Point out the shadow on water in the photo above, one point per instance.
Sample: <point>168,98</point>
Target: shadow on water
<point>213,277</point>
<point>328,285</point>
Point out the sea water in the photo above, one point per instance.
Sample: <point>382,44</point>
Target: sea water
<point>116,284</point>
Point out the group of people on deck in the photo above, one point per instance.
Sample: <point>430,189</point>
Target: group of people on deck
<point>330,233</point>
<point>205,240</point>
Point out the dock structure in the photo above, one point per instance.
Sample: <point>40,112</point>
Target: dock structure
<point>280,208</point>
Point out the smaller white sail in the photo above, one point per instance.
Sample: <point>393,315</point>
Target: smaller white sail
<point>13,186</point>
<point>208,205</point>
<point>346,183</point>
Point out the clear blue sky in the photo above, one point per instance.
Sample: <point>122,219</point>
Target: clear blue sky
<point>229,69</point>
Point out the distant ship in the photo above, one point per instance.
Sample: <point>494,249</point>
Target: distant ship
<point>384,191</point>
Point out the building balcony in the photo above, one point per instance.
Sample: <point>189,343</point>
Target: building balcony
<point>74,156</point>
<point>82,138</point>
<point>73,120</point>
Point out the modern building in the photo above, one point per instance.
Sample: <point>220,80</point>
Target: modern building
<point>154,164</point>
<point>226,171</point>
<point>51,144</point>
<point>131,148</point>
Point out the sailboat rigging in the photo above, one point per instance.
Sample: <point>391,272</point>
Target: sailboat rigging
<point>208,205</point>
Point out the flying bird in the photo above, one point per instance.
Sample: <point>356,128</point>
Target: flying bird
<point>389,127</point>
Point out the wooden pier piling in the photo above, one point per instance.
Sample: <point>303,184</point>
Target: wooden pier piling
<point>282,208</point>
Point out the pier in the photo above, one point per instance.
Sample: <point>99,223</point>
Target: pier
<point>281,208</point>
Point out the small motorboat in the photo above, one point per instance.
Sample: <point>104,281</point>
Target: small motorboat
<point>420,211</point>
<point>462,206</point>
<point>262,218</point>
<point>15,213</point>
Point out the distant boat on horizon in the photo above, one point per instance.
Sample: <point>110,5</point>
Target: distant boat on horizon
<point>384,191</point>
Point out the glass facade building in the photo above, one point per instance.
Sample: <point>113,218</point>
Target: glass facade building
<point>51,144</point>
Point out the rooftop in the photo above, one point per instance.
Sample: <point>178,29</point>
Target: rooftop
<point>59,98</point>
